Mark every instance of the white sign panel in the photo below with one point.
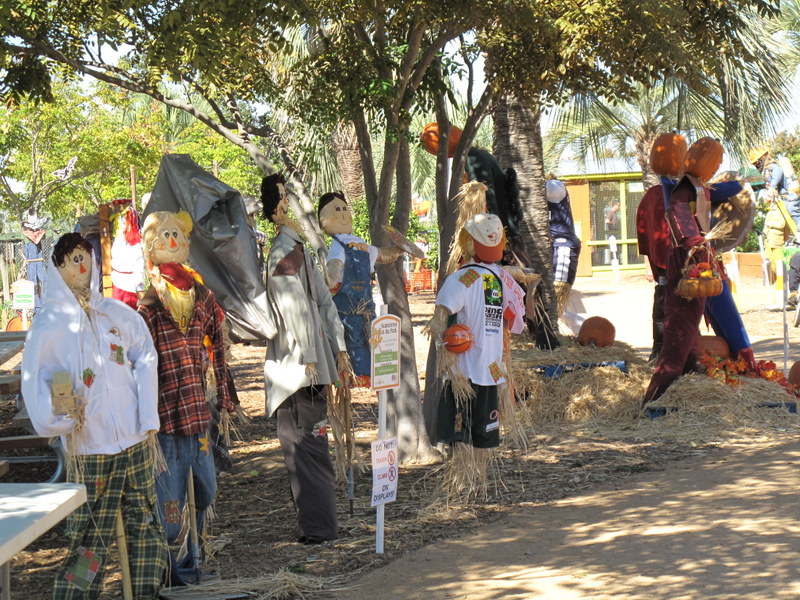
(384, 471)
(22, 290)
(385, 344)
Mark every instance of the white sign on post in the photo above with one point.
(384, 471)
(22, 289)
(385, 344)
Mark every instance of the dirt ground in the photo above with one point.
(253, 534)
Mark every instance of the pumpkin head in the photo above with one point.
(713, 344)
(430, 139)
(596, 331)
(703, 158)
(794, 374)
(457, 338)
(667, 154)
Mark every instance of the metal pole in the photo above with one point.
(379, 516)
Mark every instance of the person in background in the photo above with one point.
(779, 184)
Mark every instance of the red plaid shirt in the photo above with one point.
(182, 405)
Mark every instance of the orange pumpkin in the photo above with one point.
(667, 154)
(794, 374)
(430, 139)
(713, 344)
(596, 331)
(14, 324)
(703, 158)
(699, 288)
(457, 338)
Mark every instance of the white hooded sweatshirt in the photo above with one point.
(111, 360)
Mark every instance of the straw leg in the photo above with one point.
(124, 563)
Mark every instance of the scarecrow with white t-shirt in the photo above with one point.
(350, 264)
(483, 296)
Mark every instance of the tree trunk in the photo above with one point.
(348, 159)
(518, 144)
(404, 417)
(644, 143)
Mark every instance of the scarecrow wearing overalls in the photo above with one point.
(351, 262)
(187, 328)
(89, 375)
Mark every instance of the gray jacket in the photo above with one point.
(309, 329)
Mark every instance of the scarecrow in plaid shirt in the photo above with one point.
(182, 314)
(89, 375)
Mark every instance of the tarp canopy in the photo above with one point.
(223, 247)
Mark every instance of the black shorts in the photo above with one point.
(475, 422)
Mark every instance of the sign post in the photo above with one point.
(385, 345)
(23, 293)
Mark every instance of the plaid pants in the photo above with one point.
(117, 481)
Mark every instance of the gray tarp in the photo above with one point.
(223, 247)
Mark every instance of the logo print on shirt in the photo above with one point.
(493, 304)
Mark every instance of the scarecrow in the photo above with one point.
(351, 262)
(566, 244)
(688, 215)
(127, 259)
(89, 375)
(485, 298)
(187, 327)
(732, 203)
(35, 251)
(303, 359)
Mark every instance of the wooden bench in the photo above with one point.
(10, 383)
(26, 442)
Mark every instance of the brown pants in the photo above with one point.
(302, 420)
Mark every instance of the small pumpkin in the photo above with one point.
(703, 158)
(794, 374)
(667, 154)
(699, 288)
(596, 331)
(457, 338)
(430, 139)
(713, 344)
(14, 324)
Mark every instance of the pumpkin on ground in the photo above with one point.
(713, 344)
(703, 158)
(430, 139)
(596, 331)
(457, 338)
(667, 154)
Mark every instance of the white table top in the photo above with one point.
(27, 510)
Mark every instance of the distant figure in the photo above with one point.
(611, 219)
(779, 180)
(566, 244)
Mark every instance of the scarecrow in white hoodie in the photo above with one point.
(89, 375)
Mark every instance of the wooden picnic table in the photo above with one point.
(11, 343)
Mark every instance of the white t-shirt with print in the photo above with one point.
(474, 294)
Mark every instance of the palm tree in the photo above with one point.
(740, 103)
